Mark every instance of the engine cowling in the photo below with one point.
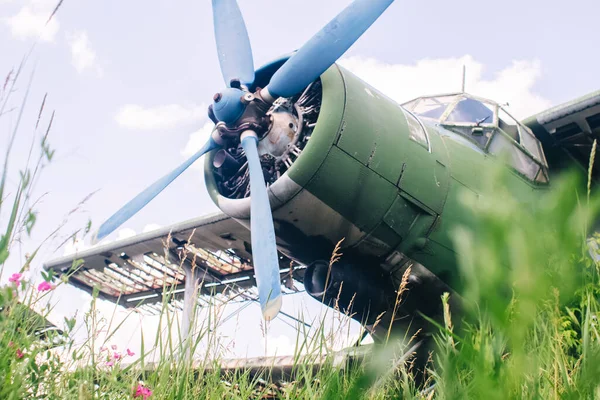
(340, 163)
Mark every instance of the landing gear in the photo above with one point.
(410, 322)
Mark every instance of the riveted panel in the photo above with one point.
(375, 129)
(455, 214)
(469, 165)
(401, 216)
(440, 260)
(353, 190)
(426, 177)
(380, 241)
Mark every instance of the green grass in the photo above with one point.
(529, 328)
(531, 293)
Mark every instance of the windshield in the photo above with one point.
(432, 107)
(485, 124)
(472, 111)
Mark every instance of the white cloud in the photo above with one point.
(125, 233)
(72, 247)
(44, 5)
(134, 116)
(279, 345)
(151, 227)
(198, 139)
(83, 56)
(401, 82)
(32, 21)
(28, 23)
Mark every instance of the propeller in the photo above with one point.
(140, 201)
(264, 251)
(324, 48)
(233, 44)
(240, 116)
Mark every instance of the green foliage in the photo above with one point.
(530, 295)
(27, 367)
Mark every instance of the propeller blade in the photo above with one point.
(264, 250)
(323, 49)
(140, 201)
(233, 44)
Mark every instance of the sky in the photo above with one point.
(130, 82)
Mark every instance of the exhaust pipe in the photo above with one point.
(358, 290)
(226, 162)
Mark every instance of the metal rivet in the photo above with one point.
(247, 98)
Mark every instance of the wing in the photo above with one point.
(568, 131)
(143, 268)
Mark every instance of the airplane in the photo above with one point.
(304, 156)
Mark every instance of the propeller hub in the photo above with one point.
(283, 133)
(228, 106)
(235, 83)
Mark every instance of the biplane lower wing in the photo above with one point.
(145, 268)
(567, 132)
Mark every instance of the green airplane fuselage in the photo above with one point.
(365, 177)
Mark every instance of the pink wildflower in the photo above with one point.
(19, 353)
(116, 356)
(143, 392)
(130, 353)
(110, 363)
(11, 344)
(114, 347)
(44, 286)
(15, 278)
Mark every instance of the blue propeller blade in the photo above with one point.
(323, 49)
(147, 195)
(264, 250)
(233, 44)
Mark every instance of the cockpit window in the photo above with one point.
(488, 126)
(532, 144)
(416, 131)
(503, 146)
(474, 111)
(521, 134)
(432, 107)
(509, 125)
